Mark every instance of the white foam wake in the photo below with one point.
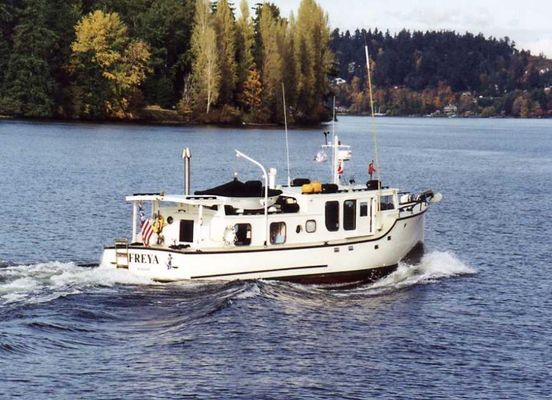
(433, 266)
(46, 281)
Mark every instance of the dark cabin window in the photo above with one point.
(243, 234)
(332, 216)
(386, 203)
(277, 233)
(186, 230)
(363, 209)
(349, 215)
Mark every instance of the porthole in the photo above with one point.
(169, 220)
(310, 226)
(298, 229)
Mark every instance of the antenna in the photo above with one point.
(287, 141)
(334, 149)
(374, 133)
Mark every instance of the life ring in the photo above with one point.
(158, 224)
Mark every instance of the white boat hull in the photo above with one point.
(352, 259)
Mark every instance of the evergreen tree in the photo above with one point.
(270, 33)
(290, 73)
(225, 29)
(6, 29)
(166, 25)
(245, 42)
(313, 58)
(205, 71)
(29, 84)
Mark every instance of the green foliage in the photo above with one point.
(166, 25)
(245, 42)
(107, 67)
(28, 82)
(313, 58)
(225, 30)
(232, 69)
(206, 73)
(271, 30)
(478, 73)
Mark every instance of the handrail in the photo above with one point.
(265, 176)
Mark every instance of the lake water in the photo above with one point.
(472, 320)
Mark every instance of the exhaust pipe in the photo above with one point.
(187, 156)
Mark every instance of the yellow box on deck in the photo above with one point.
(313, 187)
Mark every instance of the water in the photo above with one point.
(472, 320)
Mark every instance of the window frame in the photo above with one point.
(335, 212)
(272, 226)
(248, 240)
(349, 215)
(307, 225)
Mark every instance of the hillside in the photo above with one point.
(433, 72)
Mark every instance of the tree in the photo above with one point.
(166, 25)
(270, 32)
(245, 42)
(225, 29)
(6, 27)
(29, 83)
(107, 66)
(313, 58)
(205, 70)
(251, 97)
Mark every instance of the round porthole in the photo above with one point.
(169, 220)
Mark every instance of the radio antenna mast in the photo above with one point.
(286, 126)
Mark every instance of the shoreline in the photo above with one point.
(177, 123)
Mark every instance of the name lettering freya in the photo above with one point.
(143, 258)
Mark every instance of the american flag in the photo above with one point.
(146, 231)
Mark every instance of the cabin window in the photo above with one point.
(277, 233)
(386, 203)
(243, 234)
(363, 209)
(332, 216)
(310, 226)
(186, 230)
(349, 215)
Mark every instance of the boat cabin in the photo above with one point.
(234, 215)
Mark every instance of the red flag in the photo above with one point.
(340, 168)
(146, 231)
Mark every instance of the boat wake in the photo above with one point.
(43, 282)
(433, 267)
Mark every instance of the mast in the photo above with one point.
(375, 142)
(287, 141)
(373, 120)
(335, 178)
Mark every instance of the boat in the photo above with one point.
(303, 231)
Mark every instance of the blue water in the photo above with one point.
(472, 320)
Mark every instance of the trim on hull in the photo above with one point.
(336, 278)
(257, 272)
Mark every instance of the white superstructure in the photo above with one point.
(307, 232)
